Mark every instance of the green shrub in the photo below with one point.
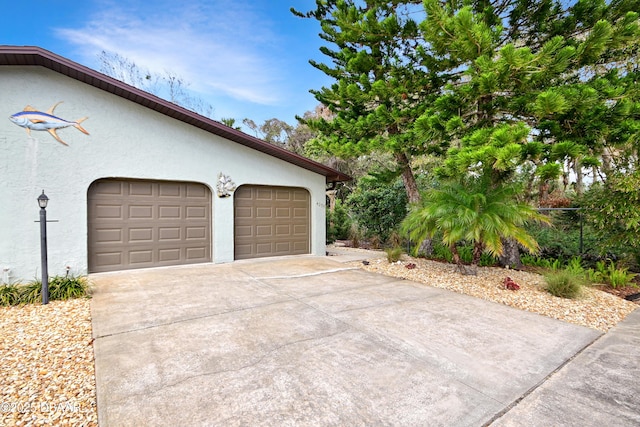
(9, 294)
(378, 206)
(60, 288)
(617, 277)
(575, 266)
(535, 261)
(564, 284)
(442, 252)
(394, 254)
(609, 274)
(31, 292)
(338, 223)
(68, 287)
(486, 260)
(355, 236)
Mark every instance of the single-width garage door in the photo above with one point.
(137, 224)
(271, 221)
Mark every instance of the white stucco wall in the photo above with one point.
(126, 141)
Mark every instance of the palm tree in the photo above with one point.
(474, 213)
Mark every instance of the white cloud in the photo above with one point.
(219, 46)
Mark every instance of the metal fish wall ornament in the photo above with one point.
(32, 119)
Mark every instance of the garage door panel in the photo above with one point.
(283, 230)
(166, 255)
(141, 234)
(136, 224)
(141, 257)
(243, 231)
(169, 190)
(264, 194)
(108, 188)
(141, 212)
(264, 213)
(103, 211)
(283, 195)
(300, 246)
(265, 223)
(108, 258)
(196, 233)
(169, 233)
(169, 212)
(195, 254)
(141, 189)
(300, 230)
(195, 191)
(283, 247)
(283, 213)
(196, 212)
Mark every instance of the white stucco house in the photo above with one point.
(135, 181)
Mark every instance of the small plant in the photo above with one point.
(486, 260)
(575, 266)
(618, 277)
(564, 284)
(466, 253)
(442, 253)
(355, 235)
(9, 294)
(60, 288)
(68, 287)
(31, 292)
(375, 241)
(510, 284)
(534, 261)
(394, 254)
(555, 265)
(394, 239)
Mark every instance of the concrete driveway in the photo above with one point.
(310, 341)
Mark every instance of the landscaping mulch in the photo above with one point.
(595, 309)
(47, 374)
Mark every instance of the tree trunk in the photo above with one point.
(577, 167)
(477, 253)
(456, 256)
(510, 255)
(411, 187)
(408, 179)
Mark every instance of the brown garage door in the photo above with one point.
(271, 221)
(137, 224)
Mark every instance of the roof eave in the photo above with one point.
(32, 55)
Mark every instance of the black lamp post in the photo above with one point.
(43, 200)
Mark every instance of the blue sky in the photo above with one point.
(246, 58)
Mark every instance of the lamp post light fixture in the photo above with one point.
(43, 200)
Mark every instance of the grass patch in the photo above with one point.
(564, 284)
(394, 254)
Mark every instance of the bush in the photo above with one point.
(60, 288)
(68, 287)
(611, 275)
(394, 254)
(338, 223)
(377, 206)
(564, 284)
(9, 295)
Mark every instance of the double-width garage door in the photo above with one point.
(138, 224)
(271, 221)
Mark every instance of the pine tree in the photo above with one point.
(532, 93)
(383, 81)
